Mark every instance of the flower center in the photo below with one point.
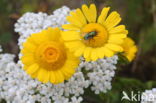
(94, 35)
(51, 55)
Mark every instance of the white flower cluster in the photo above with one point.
(35, 22)
(100, 73)
(149, 96)
(17, 87)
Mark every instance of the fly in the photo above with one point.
(89, 35)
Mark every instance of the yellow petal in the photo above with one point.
(53, 33)
(130, 48)
(94, 55)
(69, 68)
(46, 76)
(107, 52)
(118, 29)
(100, 53)
(114, 47)
(74, 45)
(93, 12)
(70, 35)
(103, 15)
(34, 75)
(66, 74)
(32, 69)
(29, 47)
(59, 78)
(118, 36)
(90, 13)
(43, 75)
(70, 27)
(112, 20)
(77, 15)
(79, 51)
(28, 60)
(134, 48)
(81, 16)
(52, 77)
(115, 40)
(72, 57)
(73, 21)
(27, 51)
(39, 37)
(87, 52)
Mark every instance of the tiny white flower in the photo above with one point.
(149, 96)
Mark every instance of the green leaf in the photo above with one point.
(122, 59)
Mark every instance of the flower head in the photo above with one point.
(130, 48)
(46, 58)
(94, 37)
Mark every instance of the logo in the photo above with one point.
(138, 96)
(125, 96)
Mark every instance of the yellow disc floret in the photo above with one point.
(94, 37)
(94, 40)
(51, 55)
(46, 58)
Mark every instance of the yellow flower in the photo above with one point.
(130, 48)
(46, 58)
(94, 37)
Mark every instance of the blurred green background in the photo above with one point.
(139, 16)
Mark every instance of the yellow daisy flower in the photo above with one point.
(46, 58)
(130, 48)
(94, 37)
